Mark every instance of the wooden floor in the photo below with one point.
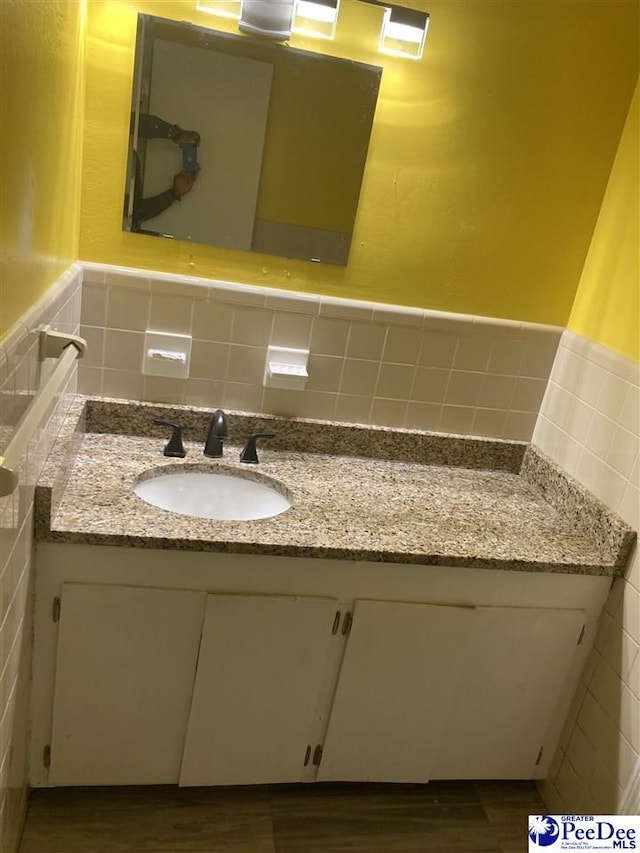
(442, 817)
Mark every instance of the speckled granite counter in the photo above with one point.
(486, 504)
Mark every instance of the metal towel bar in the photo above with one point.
(66, 348)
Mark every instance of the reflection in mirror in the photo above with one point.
(245, 144)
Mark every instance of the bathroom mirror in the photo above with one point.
(284, 135)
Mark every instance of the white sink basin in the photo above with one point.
(208, 494)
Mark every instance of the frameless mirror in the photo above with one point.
(245, 144)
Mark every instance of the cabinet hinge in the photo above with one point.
(336, 622)
(317, 755)
(581, 637)
(307, 755)
(46, 756)
(55, 612)
(539, 756)
(347, 622)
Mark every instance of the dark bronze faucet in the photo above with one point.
(216, 435)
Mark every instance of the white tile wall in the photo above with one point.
(20, 376)
(590, 425)
(383, 364)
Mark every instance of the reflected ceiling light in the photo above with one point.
(222, 8)
(404, 32)
(267, 18)
(316, 18)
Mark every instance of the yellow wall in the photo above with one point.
(485, 175)
(42, 121)
(607, 308)
(487, 166)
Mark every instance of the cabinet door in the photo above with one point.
(124, 677)
(517, 663)
(260, 670)
(399, 675)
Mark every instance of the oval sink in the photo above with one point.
(209, 494)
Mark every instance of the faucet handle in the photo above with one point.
(249, 454)
(174, 446)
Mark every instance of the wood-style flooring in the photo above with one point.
(441, 817)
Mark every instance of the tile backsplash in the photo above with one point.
(369, 363)
(21, 375)
(590, 425)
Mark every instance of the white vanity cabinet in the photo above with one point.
(518, 660)
(435, 692)
(166, 686)
(213, 669)
(400, 672)
(260, 672)
(125, 663)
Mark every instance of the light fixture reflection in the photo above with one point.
(316, 18)
(270, 19)
(404, 32)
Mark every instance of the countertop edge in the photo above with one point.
(350, 555)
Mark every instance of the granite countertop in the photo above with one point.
(524, 516)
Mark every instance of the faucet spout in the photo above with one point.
(216, 435)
